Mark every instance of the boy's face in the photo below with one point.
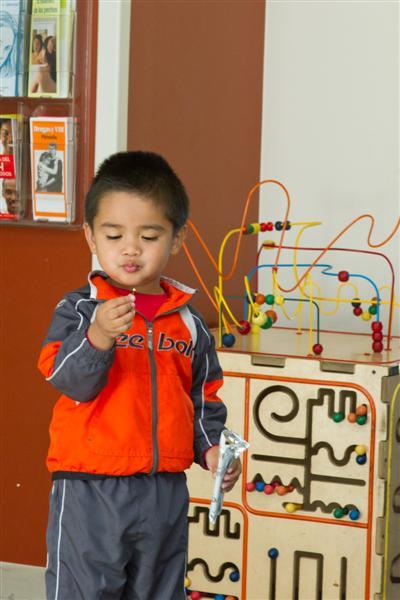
(133, 241)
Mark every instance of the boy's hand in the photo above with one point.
(113, 317)
(232, 474)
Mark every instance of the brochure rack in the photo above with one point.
(77, 109)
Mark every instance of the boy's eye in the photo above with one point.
(113, 237)
(149, 238)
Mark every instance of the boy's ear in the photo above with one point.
(178, 240)
(89, 238)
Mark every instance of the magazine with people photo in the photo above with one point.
(52, 167)
(13, 26)
(10, 167)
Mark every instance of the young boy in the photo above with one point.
(139, 375)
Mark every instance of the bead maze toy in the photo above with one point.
(317, 511)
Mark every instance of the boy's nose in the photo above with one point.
(132, 250)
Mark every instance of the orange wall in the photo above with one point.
(196, 97)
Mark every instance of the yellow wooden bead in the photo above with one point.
(366, 315)
(259, 319)
(279, 300)
(360, 449)
(291, 507)
(256, 227)
(187, 582)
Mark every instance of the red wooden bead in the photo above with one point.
(351, 417)
(361, 410)
(343, 275)
(244, 327)
(250, 486)
(376, 326)
(260, 298)
(269, 226)
(263, 227)
(377, 336)
(357, 311)
(377, 346)
(317, 348)
(268, 489)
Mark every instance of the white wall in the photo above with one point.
(331, 127)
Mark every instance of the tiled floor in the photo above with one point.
(21, 582)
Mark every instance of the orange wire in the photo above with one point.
(334, 240)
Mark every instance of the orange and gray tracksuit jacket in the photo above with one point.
(148, 404)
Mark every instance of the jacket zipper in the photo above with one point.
(153, 371)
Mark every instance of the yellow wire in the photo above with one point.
(221, 300)
(388, 499)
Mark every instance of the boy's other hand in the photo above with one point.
(113, 317)
(232, 474)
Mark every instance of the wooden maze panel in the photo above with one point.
(312, 460)
(291, 561)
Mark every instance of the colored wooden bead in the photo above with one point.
(361, 419)
(357, 311)
(291, 507)
(288, 226)
(354, 514)
(373, 309)
(273, 553)
(269, 489)
(187, 582)
(281, 490)
(249, 229)
(260, 298)
(272, 315)
(360, 449)
(244, 327)
(279, 300)
(278, 225)
(263, 227)
(318, 349)
(374, 300)
(259, 318)
(361, 460)
(343, 276)
(270, 299)
(234, 576)
(269, 244)
(338, 417)
(195, 596)
(356, 303)
(351, 417)
(250, 486)
(256, 227)
(270, 226)
(338, 513)
(366, 315)
(377, 326)
(361, 410)
(377, 347)
(229, 598)
(260, 485)
(267, 324)
(228, 339)
(377, 336)
(220, 597)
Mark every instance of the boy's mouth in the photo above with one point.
(130, 267)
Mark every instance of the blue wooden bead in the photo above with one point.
(234, 576)
(228, 339)
(362, 459)
(354, 514)
(219, 597)
(260, 485)
(273, 553)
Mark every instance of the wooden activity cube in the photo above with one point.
(325, 523)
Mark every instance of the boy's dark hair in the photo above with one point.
(146, 174)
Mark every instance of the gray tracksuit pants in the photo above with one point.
(119, 538)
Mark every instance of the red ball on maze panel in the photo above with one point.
(269, 489)
(317, 349)
(250, 486)
(195, 596)
(377, 326)
(343, 276)
(351, 417)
